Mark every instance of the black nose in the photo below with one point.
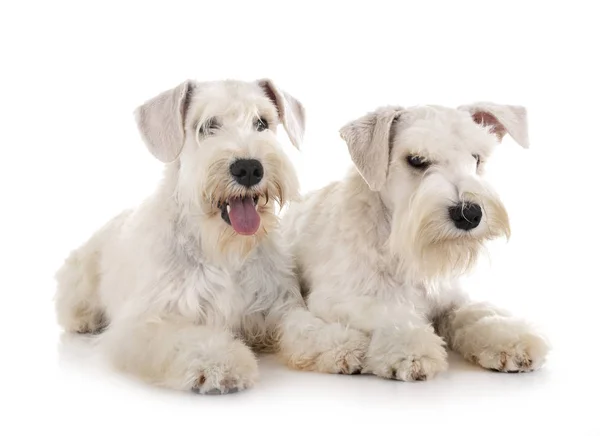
(466, 216)
(247, 172)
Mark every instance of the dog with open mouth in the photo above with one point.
(187, 287)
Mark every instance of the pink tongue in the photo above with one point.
(243, 216)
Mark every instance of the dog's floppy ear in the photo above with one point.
(369, 142)
(161, 122)
(290, 111)
(502, 119)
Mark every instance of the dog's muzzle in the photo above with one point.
(240, 210)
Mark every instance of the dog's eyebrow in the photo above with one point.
(208, 123)
(212, 120)
(265, 117)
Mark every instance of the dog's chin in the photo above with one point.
(437, 250)
(234, 226)
(447, 258)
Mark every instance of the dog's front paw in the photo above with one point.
(503, 344)
(407, 355)
(346, 357)
(343, 353)
(234, 373)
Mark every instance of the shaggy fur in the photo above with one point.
(184, 299)
(379, 252)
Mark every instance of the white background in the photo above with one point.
(71, 75)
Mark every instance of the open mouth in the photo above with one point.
(241, 214)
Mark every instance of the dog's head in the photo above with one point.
(427, 164)
(221, 137)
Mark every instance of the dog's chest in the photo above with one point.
(380, 277)
(427, 299)
(217, 296)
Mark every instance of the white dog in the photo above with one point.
(194, 279)
(382, 250)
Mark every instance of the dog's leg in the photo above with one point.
(403, 346)
(180, 355)
(308, 343)
(492, 338)
(78, 305)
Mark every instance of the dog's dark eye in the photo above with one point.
(209, 127)
(418, 162)
(261, 124)
(477, 158)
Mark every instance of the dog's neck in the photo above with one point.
(374, 206)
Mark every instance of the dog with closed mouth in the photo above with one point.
(185, 289)
(397, 233)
